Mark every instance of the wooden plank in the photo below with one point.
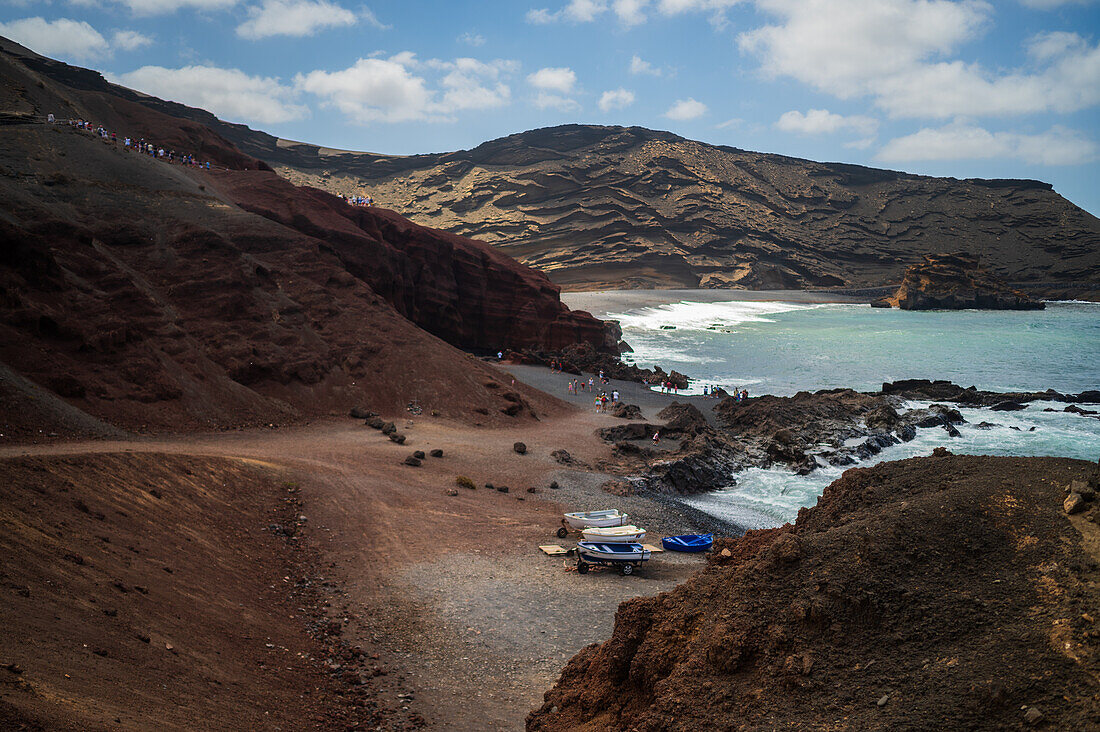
(653, 547)
(552, 550)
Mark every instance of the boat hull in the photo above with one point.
(607, 535)
(606, 552)
(596, 519)
(689, 543)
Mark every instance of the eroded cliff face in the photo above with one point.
(140, 293)
(957, 281)
(630, 207)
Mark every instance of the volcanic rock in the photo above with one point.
(627, 207)
(897, 563)
(955, 282)
(520, 448)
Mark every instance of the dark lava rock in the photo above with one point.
(376, 422)
(950, 429)
(361, 413)
(985, 426)
(1088, 397)
(436, 453)
(682, 417)
(389, 428)
(397, 437)
(500, 488)
(625, 432)
(906, 432)
(418, 454)
(881, 302)
(1007, 406)
(520, 448)
(413, 461)
(626, 411)
(955, 282)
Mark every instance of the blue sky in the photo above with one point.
(965, 88)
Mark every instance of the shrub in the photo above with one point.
(463, 482)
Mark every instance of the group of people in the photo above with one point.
(601, 401)
(740, 396)
(710, 391)
(576, 386)
(357, 200)
(139, 145)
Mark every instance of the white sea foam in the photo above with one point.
(686, 315)
(765, 498)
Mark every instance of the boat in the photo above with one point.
(624, 556)
(614, 534)
(588, 519)
(688, 542)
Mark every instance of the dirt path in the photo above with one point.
(451, 591)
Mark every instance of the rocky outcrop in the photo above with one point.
(957, 282)
(904, 598)
(946, 391)
(624, 207)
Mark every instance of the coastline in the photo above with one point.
(601, 302)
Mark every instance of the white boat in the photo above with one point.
(587, 519)
(614, 534)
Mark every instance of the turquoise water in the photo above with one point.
(780, 348)
(784, 347)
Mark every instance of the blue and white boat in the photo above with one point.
(624, 556)
(688, 542)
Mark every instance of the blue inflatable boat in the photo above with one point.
(688, 542)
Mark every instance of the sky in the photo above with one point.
(962, 88)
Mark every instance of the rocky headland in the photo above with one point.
(957, 281)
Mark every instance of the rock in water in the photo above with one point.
(956, 282)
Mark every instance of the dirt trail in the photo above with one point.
(450, 591)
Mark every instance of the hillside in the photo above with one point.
(150, 294)
(949, 592)
(630, 207)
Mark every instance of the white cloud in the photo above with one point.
(560, 79)
(397, 90)
(685, 109)
(157, 7)
(473, 84)
(576, 11)
(472, 39)
(964, 141)
(229, 93)
(541, 16)
(892, 51)
(640, 66)
(716, 8)
(845, 47)
(293, 18)
(61, 38)
(616, 99)
(824, 122)
(128, 40)
(630, 12)
(548, 100)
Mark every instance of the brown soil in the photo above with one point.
(933, 593)
(142, 592)
(448, 596)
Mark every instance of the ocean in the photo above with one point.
(742, 341)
